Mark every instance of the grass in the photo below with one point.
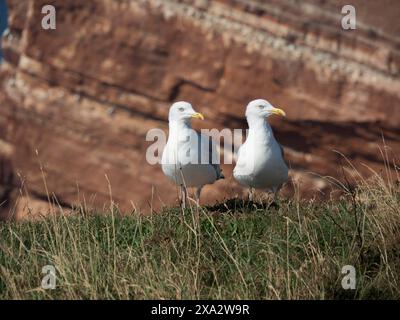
(235, 250)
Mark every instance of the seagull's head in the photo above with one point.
(261, 108)
(183, 111)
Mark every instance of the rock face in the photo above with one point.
(77, 102)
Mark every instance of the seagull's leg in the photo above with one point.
(198, 192)
(185, 192)
(275, 200)
(180, 196)
(183, 197)
(276, 193)
(251, 194)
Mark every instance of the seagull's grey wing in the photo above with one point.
(283, 154)
(212, 153)
(207, 148)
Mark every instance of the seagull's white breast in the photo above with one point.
(260, 164)
(182, 163)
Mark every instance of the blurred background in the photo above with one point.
(76, 102)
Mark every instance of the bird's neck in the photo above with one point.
(259, 129)
(176, 127)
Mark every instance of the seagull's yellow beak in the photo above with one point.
(278, 112)
(198, 115)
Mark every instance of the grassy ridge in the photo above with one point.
(235, 250)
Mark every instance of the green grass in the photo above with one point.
(231, 251)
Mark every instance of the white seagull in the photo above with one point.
(189, 159)
(260, 161)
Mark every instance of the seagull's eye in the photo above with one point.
(181, 109)
(261, 106)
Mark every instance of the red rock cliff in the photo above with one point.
(77, 102)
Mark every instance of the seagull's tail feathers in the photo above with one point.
(218, 171)
(220, 175)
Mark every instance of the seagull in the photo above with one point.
(260, 161)
(189, 159)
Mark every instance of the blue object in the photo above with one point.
(3, 21)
